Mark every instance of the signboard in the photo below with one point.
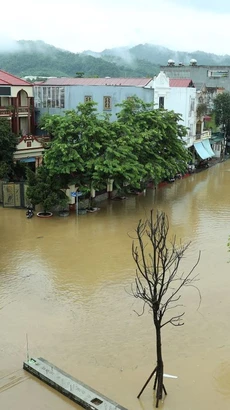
(76, 194)
(218, 73)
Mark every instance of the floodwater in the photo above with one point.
(65, 282)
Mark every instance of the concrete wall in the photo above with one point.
(28, 89)
(200, 75)
(183, 101)
(75, 95)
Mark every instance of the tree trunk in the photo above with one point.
(158, 383)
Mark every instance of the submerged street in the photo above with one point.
(65, 282)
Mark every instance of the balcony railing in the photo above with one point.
(22, 110)
(203, 135)
(5, 111)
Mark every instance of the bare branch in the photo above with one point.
(158, 282)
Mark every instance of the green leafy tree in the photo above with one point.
(44, 189)
(222, 111)
(79, 140)
(143, 143)
(222, 116)
(8, 143)
(158, 138)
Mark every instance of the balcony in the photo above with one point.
(204, 135)
(22, 111)
(5, 111)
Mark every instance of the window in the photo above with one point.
(192, 105)
(87, 98)
(28, 144)
(107, 103)
(5, 91)
(49, 97)
(161, 102)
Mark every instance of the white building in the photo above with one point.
(182, 100)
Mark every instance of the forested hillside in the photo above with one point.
(36, 58)
(40, 59)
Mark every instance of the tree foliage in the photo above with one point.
(222, 111)
(44, 189)
(143, 143)
(40, 59)
(158, 281)
(8, 142)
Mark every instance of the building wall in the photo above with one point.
(76, 94)
(15, 89)
(211, 76)
(183, 101)
(161, 89)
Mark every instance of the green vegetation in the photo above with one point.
(40, 59)
(8, 142)
(44, 189)
(142, 144)
(222, 111)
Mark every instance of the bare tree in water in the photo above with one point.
(158, 282)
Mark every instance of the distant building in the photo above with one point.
(212, 77)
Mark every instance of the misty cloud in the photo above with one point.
(8, 44)
(220, 6)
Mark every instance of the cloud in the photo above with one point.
(7, 44)
(96, 25)
(220, 6)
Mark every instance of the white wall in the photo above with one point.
(182, 100)
(161, 89)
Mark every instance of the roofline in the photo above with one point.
(12, 75)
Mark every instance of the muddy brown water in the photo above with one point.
(65, 282)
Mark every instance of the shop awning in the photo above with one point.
(30, 159)
(207, 146)
(201, 151)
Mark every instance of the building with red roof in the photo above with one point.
(17, 103)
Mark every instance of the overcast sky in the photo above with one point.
(78, 25)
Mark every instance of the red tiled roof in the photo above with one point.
(127, 82)
(181, 82)
(9, 79)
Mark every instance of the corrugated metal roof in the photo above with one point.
(127, 82)
(181, 82)
(9, 79)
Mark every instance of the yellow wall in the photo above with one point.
(16, 89)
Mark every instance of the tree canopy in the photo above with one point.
(44, 189)
(142, 143)
(222, 111)
(8, 142)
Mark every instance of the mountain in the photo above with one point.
(160, 55)
(36, 58)
(28, 58)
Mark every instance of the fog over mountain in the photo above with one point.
(25, 58)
